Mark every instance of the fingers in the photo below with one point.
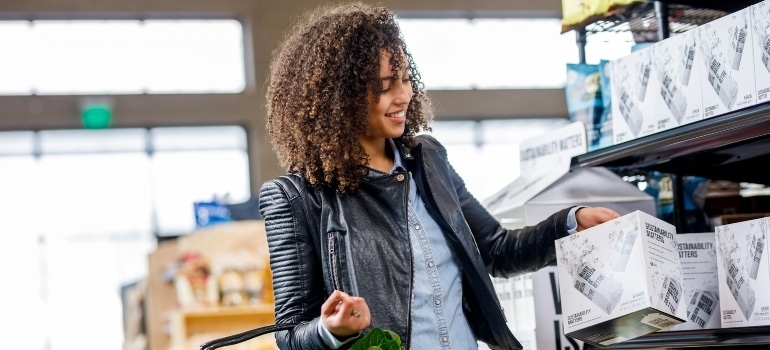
(344, 315)
(329, 306)
(607, 214)
(592, 216)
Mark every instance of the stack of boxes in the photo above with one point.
(635, 275)
(716, 68)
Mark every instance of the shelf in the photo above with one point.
(229, 311)
(641, 20)
(719, 5)
(219, 321)
(728, 147)
(728, 337)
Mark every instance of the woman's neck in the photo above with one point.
(380, 155)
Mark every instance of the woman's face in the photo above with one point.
(387, 117)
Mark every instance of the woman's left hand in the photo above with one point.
(344, 315)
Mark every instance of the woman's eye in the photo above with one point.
(388, 83)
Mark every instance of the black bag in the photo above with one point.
(244, 336)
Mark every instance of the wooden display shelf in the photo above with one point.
(173, 328)
(219, 321)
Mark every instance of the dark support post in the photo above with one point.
(581, 43)
(680, 217)
(661, 13)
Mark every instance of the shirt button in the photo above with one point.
(400, 177)
(416, 227)
(431, 264)
(444, 339)
(438, 301)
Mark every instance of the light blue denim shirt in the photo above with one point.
(438, 321)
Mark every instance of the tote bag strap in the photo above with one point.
(244, 336)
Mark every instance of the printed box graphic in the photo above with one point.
(678, 97)
(620, 280)
(632, 116)
(698, 257)
(760, 48)
(728, 63)
(743, 271)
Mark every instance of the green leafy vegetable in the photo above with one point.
(379, 339)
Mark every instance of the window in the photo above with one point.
(501, 53)
(601, 46)
(80, 210)
(64, 57)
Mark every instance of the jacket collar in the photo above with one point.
(406, 152)
(409, 155)
(401, 154)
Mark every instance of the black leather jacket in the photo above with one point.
(321, 240)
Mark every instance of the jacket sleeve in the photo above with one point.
(297, 275)
(508, 252)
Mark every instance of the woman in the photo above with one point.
(372, 227)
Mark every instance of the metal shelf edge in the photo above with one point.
(709, 134)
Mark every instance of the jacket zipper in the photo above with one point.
(408, 339)
(434, 208)
(333, 260)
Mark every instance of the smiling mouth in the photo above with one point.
(401, 114)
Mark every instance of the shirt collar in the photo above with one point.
(398, 163)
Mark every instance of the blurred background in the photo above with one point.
(125, 124)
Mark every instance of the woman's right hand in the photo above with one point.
(588, 217)
(344, 315)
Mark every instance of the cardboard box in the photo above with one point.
(698, 257)
(620, 280)
(744, 278)
(728, 63)
(760, 23)
(632, 115)
(677, 94)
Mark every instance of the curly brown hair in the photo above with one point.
(317, 94)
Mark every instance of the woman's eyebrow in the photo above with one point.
(391, 77)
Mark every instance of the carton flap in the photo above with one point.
(589, 185)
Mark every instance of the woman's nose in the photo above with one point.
(403, 91)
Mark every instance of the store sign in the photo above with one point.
(543, 160)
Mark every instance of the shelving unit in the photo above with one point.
(732, 147)
(724, 148)
(641, 19)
